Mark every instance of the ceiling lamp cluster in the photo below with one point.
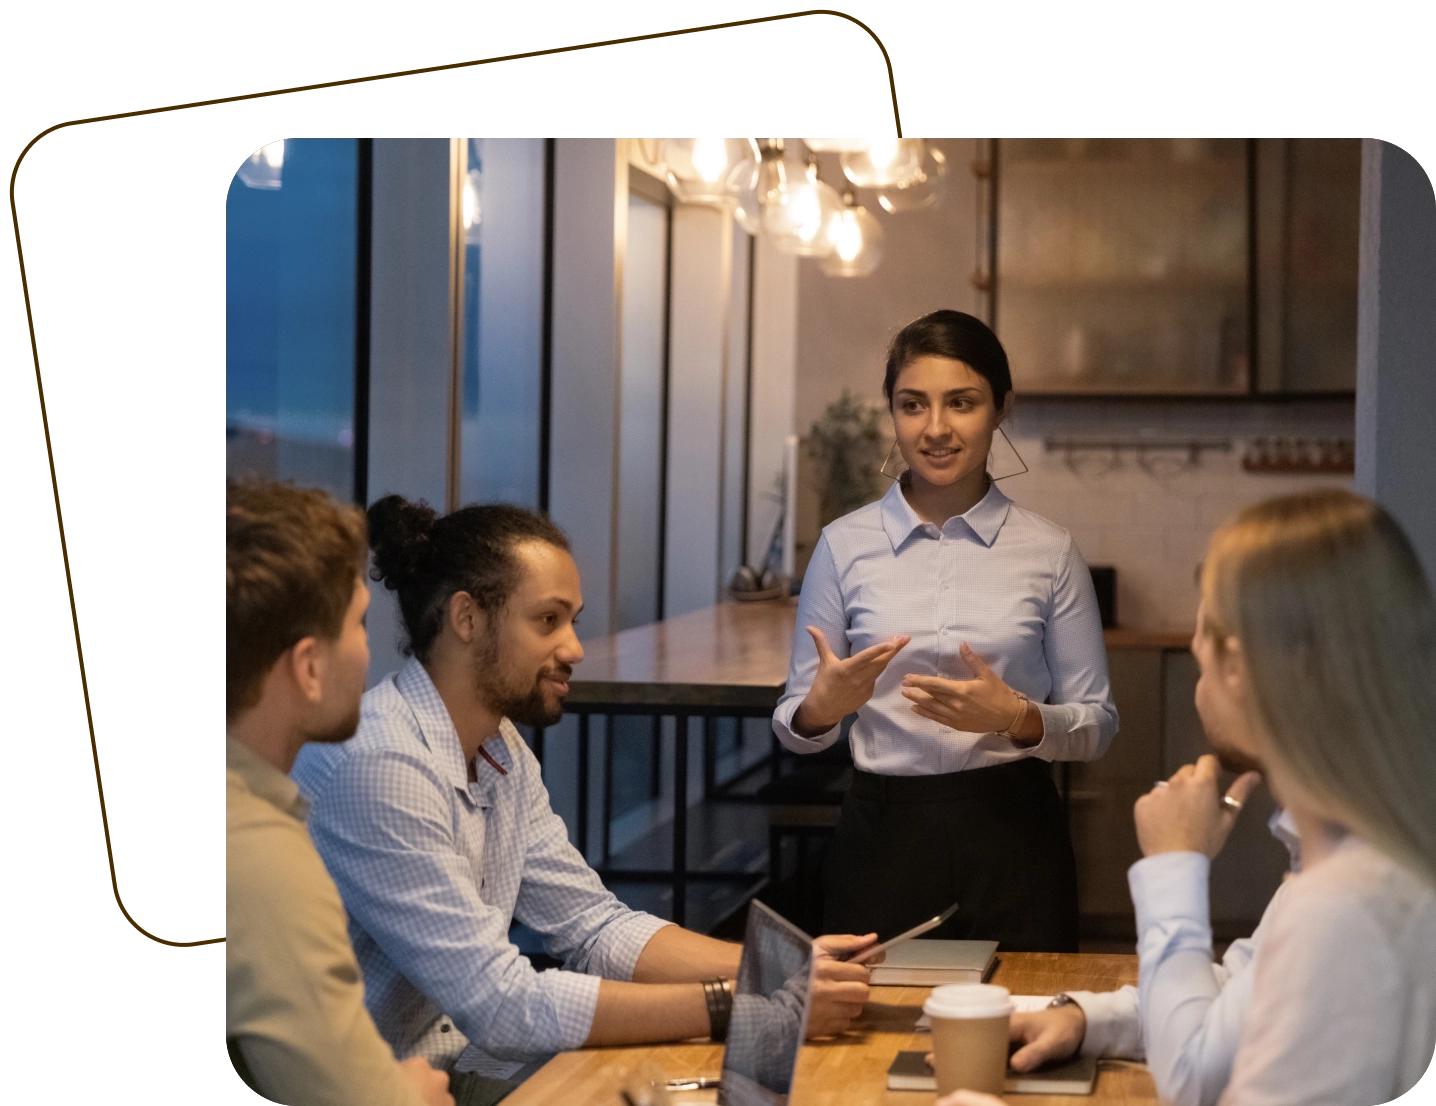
(799, 213)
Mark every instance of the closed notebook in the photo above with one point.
(921, 963)
(909, 1072)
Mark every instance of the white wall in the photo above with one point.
(410, 358)
(697, 412)
(775, 388)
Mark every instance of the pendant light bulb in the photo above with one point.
(264, 169)
(837, 145)
(927, 189)
(802, 216)
(857, 241)
(709, 170)
(886, 162)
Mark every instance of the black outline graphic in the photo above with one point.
(39, 388)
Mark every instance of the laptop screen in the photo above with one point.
(770, 1011)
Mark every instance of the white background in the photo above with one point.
(123, 229)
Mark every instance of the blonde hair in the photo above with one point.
(1338, 628)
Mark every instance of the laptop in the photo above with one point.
(771, 999)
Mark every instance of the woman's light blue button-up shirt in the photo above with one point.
(1005, 581)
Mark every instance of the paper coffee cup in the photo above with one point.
(969, 1036)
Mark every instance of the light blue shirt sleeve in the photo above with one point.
(820, 605)
(560, 896)
(1190, 1007)
(387, 837)
(1081, 720)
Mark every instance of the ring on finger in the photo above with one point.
(1231, 804)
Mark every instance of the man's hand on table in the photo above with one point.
(840, 987)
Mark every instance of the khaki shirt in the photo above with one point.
(295, 999)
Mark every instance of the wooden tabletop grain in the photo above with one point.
(733, 654)
(851, 1069)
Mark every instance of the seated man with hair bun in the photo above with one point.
(435, 823)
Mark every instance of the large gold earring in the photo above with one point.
(889, 469)
(1011, 464)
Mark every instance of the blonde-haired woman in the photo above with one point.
(1317, 646)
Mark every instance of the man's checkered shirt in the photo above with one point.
(432, 868)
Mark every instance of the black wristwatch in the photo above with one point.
(718, 993)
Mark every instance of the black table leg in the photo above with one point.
(607, 785)
(655, 767)
(680, 818)
(583, 785)
(710, 756)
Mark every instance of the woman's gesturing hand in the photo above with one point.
(981, 705)
(841, 686)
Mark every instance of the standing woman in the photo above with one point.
(964, 632)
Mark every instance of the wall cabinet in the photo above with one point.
(1153, 690)
(1218, 267)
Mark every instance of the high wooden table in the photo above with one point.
(852, 1069)
(727, 661)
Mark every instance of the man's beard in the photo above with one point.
(524, 707)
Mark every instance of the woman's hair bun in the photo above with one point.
(399, 535)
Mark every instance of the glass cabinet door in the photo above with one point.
(1122, 265)
(1308, 217)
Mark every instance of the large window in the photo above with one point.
(290, 329)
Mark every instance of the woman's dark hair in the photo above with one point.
(958, 337)
(425, 558)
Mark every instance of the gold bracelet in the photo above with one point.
(1011, 730)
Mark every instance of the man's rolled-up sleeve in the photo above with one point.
(388, 839)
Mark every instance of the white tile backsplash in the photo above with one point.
(1151, 518)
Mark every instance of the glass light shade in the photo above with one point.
(885, 163)
(800, 216)
(472, 213)
(709, 170)
(770, 176)
(265, 167)
(926, 190)
(857, 243)
(837, 145)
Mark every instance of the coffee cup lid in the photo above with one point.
(968, 1000)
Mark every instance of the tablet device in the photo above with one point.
(916, 931)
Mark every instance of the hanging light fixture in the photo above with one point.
(748, 209)
(709, 170)
(857, 241)
(264, 168)
(472, 212)
(926, 190)
(801, 216)
(837, 145)
(886, 162)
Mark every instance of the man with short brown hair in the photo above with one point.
(296, 659)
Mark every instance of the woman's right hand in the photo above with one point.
(841, 686)
(1053, 1033)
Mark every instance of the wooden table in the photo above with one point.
(852, 1069)
(727, 661)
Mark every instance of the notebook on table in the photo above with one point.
(925, 963)
(1077, 1076)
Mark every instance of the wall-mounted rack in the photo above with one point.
(1300, 456)
(1192, 447)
